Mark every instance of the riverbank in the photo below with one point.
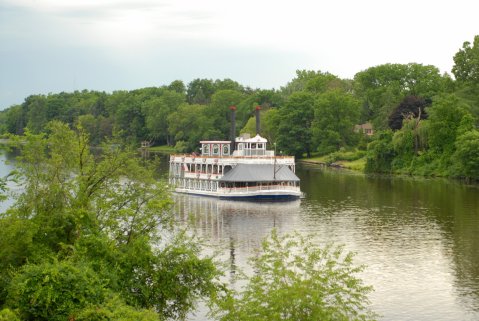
(353, 160)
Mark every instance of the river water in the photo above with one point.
(419, 238)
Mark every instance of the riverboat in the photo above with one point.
(240, 168)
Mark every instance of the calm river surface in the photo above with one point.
(418, 237)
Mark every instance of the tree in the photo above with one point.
(297, 280)
(54, 291)
(410, 106)
(445, 116)
(114, 308)
(466, 156)
(219, 110)
(36, 113)
(335, 114)
(294, 127)
(157, 111)
(268, 125)
(107, 213)
(380, 154)
(315, 82)
(15, 120)
(383, 87)
(199, 91)
(466, 71)
(466, 62)
(190, 124)
(177, 86)
(228, 84)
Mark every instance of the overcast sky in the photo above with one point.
(65, 45)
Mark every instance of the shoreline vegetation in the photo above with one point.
(406, 119)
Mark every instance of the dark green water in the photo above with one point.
(418, 237)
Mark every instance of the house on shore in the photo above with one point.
(366, 129)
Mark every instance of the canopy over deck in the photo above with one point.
(259, 173)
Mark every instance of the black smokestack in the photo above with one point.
(233, 129)
(258, 127)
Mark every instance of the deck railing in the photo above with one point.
(247, 189)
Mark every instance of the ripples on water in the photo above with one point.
(418, 238)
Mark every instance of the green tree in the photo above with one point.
(115, 309)
(294, 127)
(295, 279)
(466, 156)
(9, 315)
(335, 114)
(227, 84)
(157, 111)
(190, 124)
(405, 144)
(383, 87)
(268, 125)
(315, 82)
(465, 69)
(36, 113)
(107, 213)
(380, 153)
(54, 291)
(219, 110)
(445, 116)
(466, 62)
(15, 120)
(199, 91)
(177, 86)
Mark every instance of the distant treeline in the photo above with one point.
(425, 123)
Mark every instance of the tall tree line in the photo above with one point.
(315, 112)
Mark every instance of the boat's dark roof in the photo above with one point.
(259, 173)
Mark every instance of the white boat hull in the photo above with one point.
(275, 194)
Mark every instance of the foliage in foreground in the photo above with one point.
(91, 238)
(294, 279)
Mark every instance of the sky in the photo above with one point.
(50, 46)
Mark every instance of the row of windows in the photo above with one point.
(215, 149)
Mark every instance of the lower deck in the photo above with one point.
(258, 190)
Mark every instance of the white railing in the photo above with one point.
(248, 189)
(253, 152)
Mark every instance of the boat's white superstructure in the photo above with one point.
(242, 168)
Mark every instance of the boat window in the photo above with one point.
(216, 149)
(253, 146)
(206, 149)
(240, 146)
(260, 146)
(226, 149)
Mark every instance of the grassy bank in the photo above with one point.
(353, 160)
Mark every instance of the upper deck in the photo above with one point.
(231, 160)
(246, 150)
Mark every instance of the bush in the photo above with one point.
(8, 315)
(115, 309)
(297, 280)
(54, 291)
(380, 153)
